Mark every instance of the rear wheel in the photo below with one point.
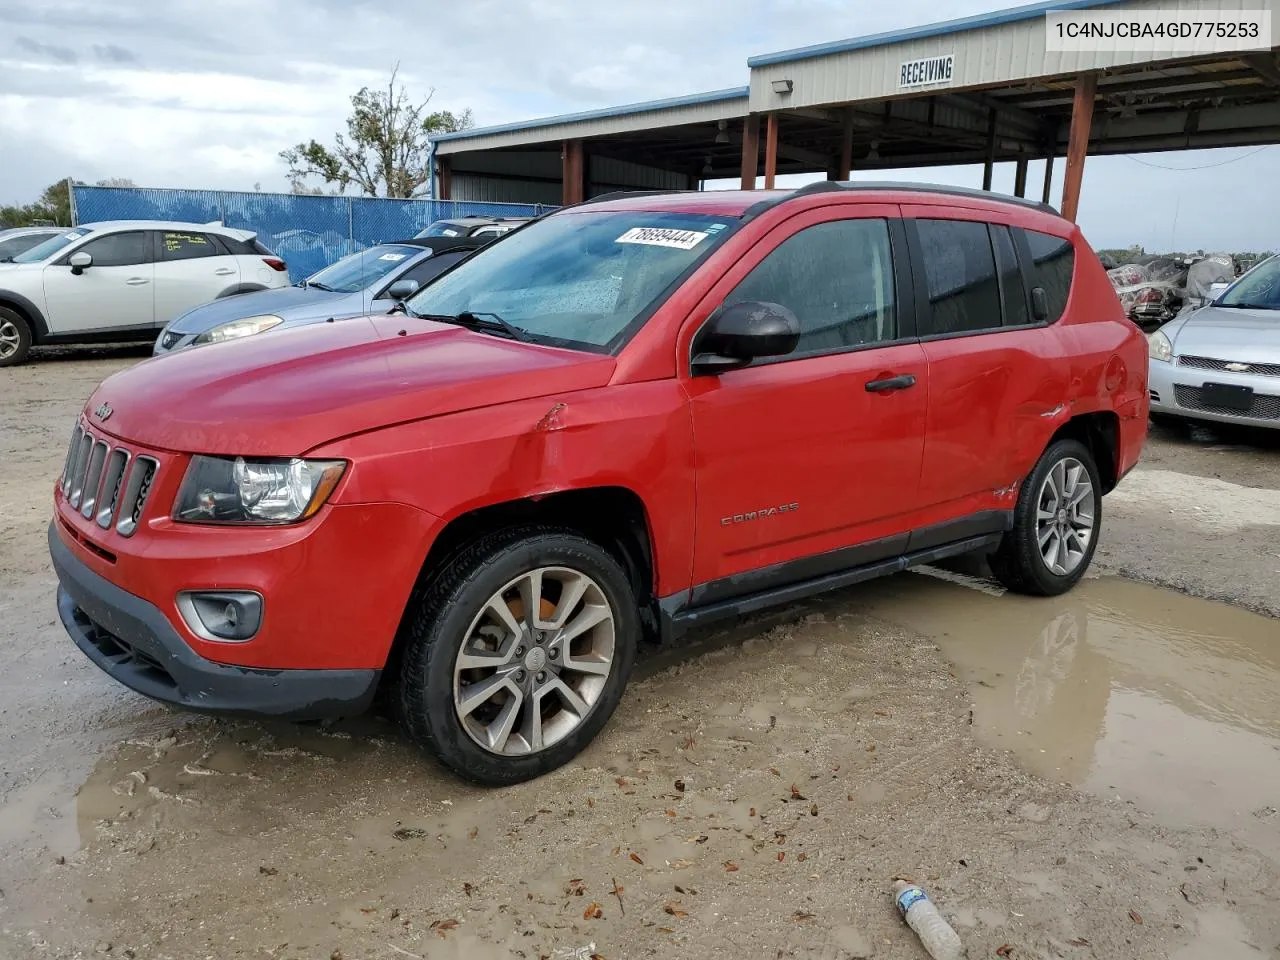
(1055, 526)
(15, 338)
(517, 654)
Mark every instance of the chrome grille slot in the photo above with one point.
(93, 477)
(112, 481)
(80, 467)
(72, 450)
(136, 490)
(1212, 363)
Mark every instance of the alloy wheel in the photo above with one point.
(1065, 516)
(10, 340)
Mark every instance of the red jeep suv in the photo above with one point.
(632, 417)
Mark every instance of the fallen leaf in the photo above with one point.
(689, 890)
(802, 856)
(468, 889)
(774, 771)
(730, 867)
(1004, 950)
(595, 956)
(665, 930)
(473, 833)
(368, 910)
(850, 798)
(395, 913)
(616, 851)
(802, 915)
(702, 838)
(871, 748)
(1135, 916)
(813, 809)
(617, 892)
(591, 803)
(680, 786)
(782, 855)
(779, 837)
(593, 912)
(409, 833)
(751, 812)
(636, 858)
(1079, 942)
(681, 864)
(690, 743)
(621, 781)
(530, 818)
(441, 927)
(796, 794)
(882, 713)
(1182, 889)
(335, 955)
(672, 907)
(669, 812)
(268, 871)
(836, 768)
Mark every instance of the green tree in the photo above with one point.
(385, 151)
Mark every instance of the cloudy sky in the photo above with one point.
(206, 94)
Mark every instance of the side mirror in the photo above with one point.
(737, 334)
(1039, 305)
(402, 290)
(79, 262)
(1216, 288)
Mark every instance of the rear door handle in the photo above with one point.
(901, 382)
(223, 272)
(137, 281)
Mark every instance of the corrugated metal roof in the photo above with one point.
(629, 113)
(976, 22)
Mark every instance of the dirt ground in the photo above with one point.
(1092, 776)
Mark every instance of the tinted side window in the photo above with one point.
(186, 246)
(1052, 263)
(119, 249)
(12, 246)
(1013, 295)
(432, 267)
(837, 278)
(960, 272)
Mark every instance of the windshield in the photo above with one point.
(584, 279)
(42, 251)
(363, 269)
(444, 228)
(1259, 288)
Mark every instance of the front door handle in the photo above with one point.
(137, 281)
(901, 382)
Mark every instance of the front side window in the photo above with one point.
(175, 245)
(43, 251)
(444, 228)
(1258, 289)
(960, 273)
(837, 278)
(432, 267)
(119, 249)
(584, 279)
(10, 247)
(1053, 262)
(362, 269)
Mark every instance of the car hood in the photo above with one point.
(288, 303)
(1223, 333)
(285, 393)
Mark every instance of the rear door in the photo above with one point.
(115, 292)
(996, 377)
(191, 268)
(798, 458)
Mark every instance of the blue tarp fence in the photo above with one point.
(308, 232)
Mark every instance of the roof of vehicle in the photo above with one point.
(20, 231)
(163, 225)
(749, 203)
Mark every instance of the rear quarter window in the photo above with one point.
(1053, 261)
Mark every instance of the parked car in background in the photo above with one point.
(122, 280)
(1222, 362)
(18, 240)
(370, 281)
(473, 227)
(629, 419)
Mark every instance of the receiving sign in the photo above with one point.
(922, 73)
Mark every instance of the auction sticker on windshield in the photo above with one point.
(663, 237)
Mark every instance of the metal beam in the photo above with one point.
(845, 167)
(1265, 66)
(750, 150)
(1048, 179)
(444, 168)
(770, 150)
(988, 168)
(1151, 84)
(1078, 142)
(1020, 177)
(573, 187)
(980, 103)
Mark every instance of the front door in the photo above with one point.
(114, 293)
(804, 464)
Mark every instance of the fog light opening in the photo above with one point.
(223, 616)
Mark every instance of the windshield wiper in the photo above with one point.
(1249, 306)
(488, 322)
(320, 286)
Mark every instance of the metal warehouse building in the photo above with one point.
(983, 89)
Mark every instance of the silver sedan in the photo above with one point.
(1222, 362)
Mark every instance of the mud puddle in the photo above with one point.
(1124, 690)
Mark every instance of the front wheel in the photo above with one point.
(517, 654)
(1056, 523)
(15, 338)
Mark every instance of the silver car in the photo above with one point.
(1222, 362)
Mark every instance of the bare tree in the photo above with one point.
(385, 151)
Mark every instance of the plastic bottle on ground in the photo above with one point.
(936, 935)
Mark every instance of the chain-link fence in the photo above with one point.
(308, 232)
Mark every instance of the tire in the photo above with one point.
(1020, 561)
(1170, 422)
(477, 599)
(15, 338)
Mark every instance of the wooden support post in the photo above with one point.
(444, 181)
(846, 145)
(750, 151)
(988, 168)
(771, 150)
(1048, 178)
(1078, 142)
(572, 172)
(1020, 177)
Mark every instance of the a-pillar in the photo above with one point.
(444, 179)
(573, 171)
(1078, 142)
(771, 150)
(750, 151)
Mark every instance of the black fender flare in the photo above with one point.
(240, 288)
(39, 326)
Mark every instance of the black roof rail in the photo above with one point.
(828, 186)
(622, 194)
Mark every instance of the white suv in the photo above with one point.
(123, 280)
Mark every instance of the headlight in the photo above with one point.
(225, 490)
(1159, 347)
(236, 329)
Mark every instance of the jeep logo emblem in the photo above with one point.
(103, 411)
